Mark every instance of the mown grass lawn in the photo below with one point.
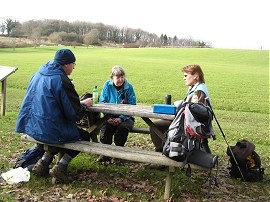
(238, 81)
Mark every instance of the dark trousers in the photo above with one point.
(84, 136)
(120, 132)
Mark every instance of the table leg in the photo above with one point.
(154, 128)
(3, 97)
(97, 125)
(168, 185)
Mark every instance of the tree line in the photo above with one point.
(87, 33)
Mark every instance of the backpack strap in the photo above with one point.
(190, 147)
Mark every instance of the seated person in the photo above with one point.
(117, 90)
(197, 92)
(50, 110)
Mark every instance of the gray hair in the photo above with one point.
(117, 71)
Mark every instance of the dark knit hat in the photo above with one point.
(64, 56)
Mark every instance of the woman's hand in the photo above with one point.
(114, 121)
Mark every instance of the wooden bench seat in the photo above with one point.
(140, 130)
(126, 153)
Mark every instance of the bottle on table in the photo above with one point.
(95, 95)
(168, 99)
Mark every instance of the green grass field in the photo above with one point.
(238, 82)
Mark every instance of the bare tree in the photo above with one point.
(35, 36)
(56, 37)
(92, 38)
(31, 25)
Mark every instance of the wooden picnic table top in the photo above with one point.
(129, 110)
(6, 71)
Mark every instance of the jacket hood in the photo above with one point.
(50, 68)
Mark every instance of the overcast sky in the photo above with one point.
(240, 24)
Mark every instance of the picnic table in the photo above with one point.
(126, 153)
(4, 73)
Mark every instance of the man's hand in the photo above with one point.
(87, 102)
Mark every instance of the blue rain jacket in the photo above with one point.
(50, 107)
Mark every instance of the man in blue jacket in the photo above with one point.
(50, 110)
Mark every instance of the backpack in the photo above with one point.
(85, 119)
(30, 157)
(89, 118)
(186, 138)
(249, 162)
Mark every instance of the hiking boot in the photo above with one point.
(59, 172)
(41, 168)
(102, 158)
(118, 162)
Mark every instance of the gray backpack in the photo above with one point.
(187, 136)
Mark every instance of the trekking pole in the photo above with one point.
(208, 102)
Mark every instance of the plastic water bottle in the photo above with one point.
(95, 95)
(195, 98)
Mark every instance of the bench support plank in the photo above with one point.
(154, 128)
